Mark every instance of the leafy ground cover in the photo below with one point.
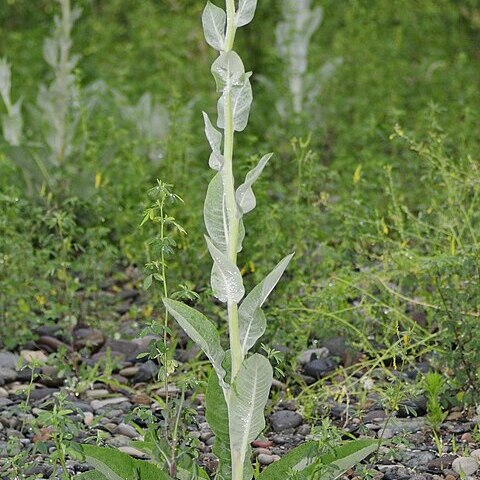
(374, 185)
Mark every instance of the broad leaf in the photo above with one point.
(245, 12)
(214, 138)
(244, 195)
(201, 330)
(248, 398)
(91, 475)
(214, 21)
(252, 322)
(234, 83)
(216, 218)
(217, 410)
(116, 465)
(5, 80)
(12, 125)
(241, 98)
(227, 70)
(227, 282)
(305, 459)
(221, 450)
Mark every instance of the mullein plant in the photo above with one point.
(58, 102)
(12, 122)
(57, 111)
(293, 36)
(240, 382)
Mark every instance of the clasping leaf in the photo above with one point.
(201, 330)
(216, 218)
(214, 21)
(252, 322)
(249, 396)
(227, 282)
(245, 196)
(234, 83)
(214, 138)
(245, 12)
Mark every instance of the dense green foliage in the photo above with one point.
(384, 219)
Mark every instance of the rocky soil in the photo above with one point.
(100, 405)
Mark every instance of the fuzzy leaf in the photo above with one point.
(305, 459)
(227, 282)
(241, 98)
(91, 475)
(245, 12)
(12, 125)
(215, 216)
(50, 52)
(217, 410)
(227, 70)
(214, 21)
(252, 322)
(234, 83)
(248, 398)
(214, 138)
(116, 465)
(245, 196)
(217, 417)
(201, 330)
(5, 80)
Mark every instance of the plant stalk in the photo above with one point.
(233, 227)
(229, 188)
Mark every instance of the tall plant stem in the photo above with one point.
(165, 294)
(65, 43)
(233, 225)
(229, 188)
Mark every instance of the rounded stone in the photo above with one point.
(465, 465)
(285, 419)
(476, 454)
(265, 459)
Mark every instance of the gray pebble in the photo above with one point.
(311, 354)
(265, 459)
(119, 441)
(127, 430)
(9, 360)
(465, 465)
(7, 375)
(285, 419)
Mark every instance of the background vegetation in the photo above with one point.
(378, 192)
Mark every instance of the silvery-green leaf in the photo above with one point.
(217, 410)
(227, 70)
(116, 465)
(50, 52)
(201, 330)
(214, 21)
(244, 195)
(214, 138)
(245, 12)
(227, 282)
(12, 125)
(306, 460)
(5, 80)
(248, 398)
(251, 319)
(241, 97)
(314, 20)
(215, 216)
